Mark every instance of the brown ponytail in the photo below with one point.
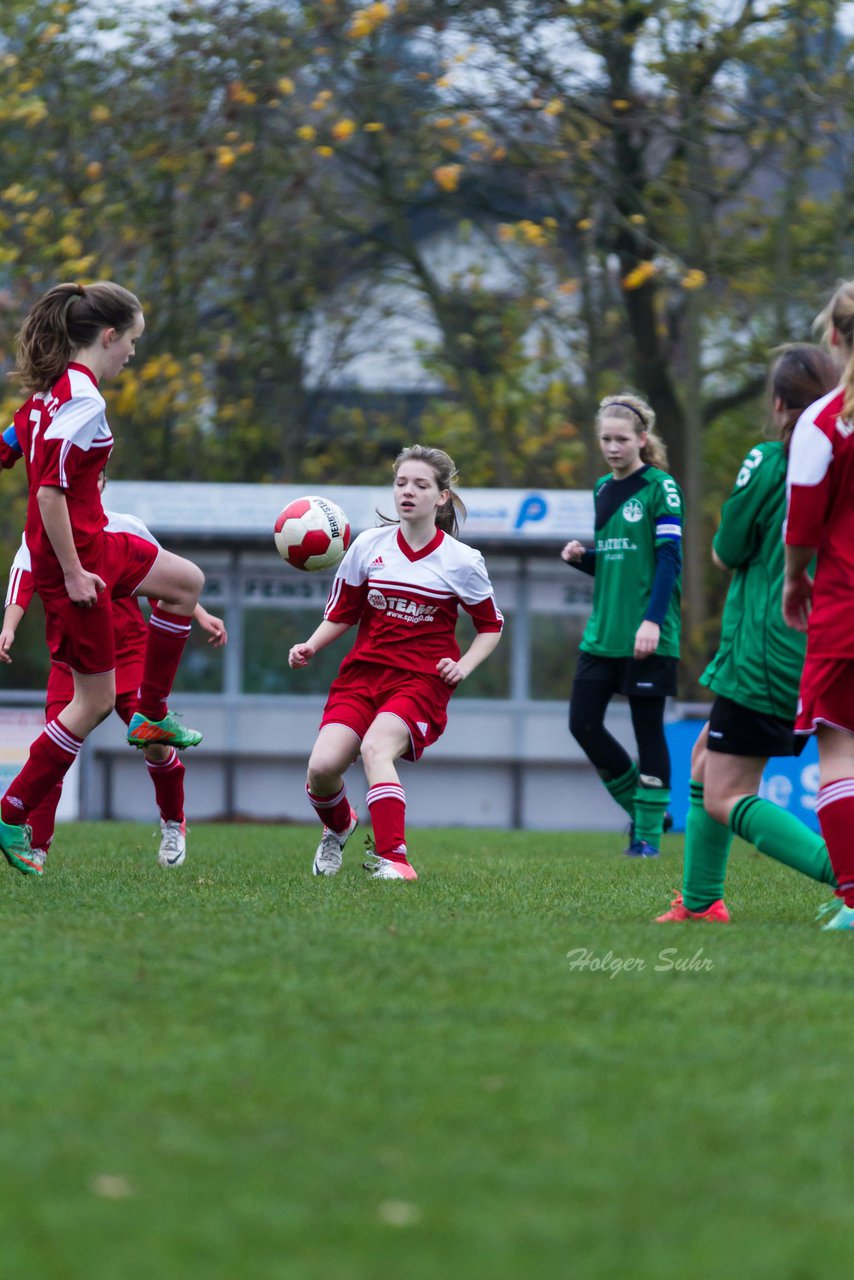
(66, 319)
(800, 375)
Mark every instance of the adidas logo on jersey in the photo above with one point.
(422, 727)
(376, 564)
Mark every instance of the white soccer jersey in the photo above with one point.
(406, 602)
(120, 522)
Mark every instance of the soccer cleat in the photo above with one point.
(716, 913)
(173, 843)
(327, 859)
(844, 919)
(168, 732)
(641, 849)
(667, 825)
(17, 850)
(388, 869)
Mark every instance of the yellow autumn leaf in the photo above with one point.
(447, 176)
(343, 129)
(639, 275)
(285, 85)
(693, 279)
(307, 132)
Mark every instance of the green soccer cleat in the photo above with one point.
(844, 919)
(16, 848)
(168, 732)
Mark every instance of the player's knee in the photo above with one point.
(376, 752)
(323, 773)
(189, 586)
(196, 579)
(101, 707)
(717, 806)
(582, 729)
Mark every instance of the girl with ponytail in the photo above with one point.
(74, 337)
(631, 642)
(820, 524)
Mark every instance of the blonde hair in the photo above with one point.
(451, 514)
(631, 408)
(838, 316)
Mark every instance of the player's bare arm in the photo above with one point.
(797, 587)
(215, 627)
(82, 586)
(301, 654)
(454, 672)
(11, 621)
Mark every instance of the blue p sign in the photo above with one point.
(532, 509)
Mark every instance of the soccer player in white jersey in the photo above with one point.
(402, 584)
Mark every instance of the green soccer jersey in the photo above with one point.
(633, 517)
(759, 658)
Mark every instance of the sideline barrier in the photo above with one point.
(789, 781)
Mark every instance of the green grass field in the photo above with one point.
(233, 1071)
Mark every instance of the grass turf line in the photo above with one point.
(236, 1070)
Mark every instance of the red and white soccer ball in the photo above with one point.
(312, 533)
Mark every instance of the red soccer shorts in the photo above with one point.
(84, 639)
(827, 695)
(364, 689)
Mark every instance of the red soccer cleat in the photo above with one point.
(717, 912)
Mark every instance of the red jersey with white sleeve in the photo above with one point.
(19, 589)
(406, 602)
(820, 485)
(66, 441)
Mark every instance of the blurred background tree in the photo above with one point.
(352, 225)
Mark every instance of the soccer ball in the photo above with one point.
(312, 533)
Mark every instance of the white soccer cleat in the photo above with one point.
(173, 843)
(330, 851)
(387, 869)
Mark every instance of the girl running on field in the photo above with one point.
(756, 670)
(631, 642)
(820, 523)
(72, 339)
(402, 584)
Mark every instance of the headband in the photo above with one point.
(622, 404)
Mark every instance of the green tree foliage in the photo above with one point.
(562, 199)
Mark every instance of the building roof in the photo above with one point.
(230, 513)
